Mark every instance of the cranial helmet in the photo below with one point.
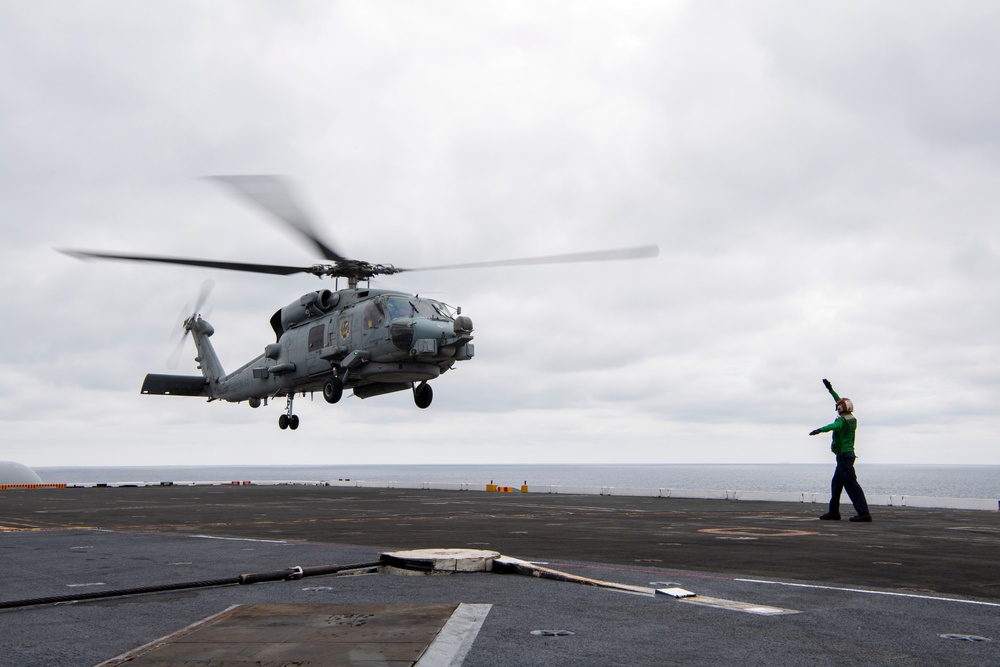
(845, 406)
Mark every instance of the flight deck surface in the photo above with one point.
(773, 584)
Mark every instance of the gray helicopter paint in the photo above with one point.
(345, 337)
(376, 341)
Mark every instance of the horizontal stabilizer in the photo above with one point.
(175, 385)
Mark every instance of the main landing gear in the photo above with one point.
(333, 390)
(288, 420)
(423, 395)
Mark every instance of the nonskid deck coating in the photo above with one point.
(916, 550)
(771, 554)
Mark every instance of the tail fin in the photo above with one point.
(208, 360)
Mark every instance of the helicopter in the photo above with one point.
(370, 341)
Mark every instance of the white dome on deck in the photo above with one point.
(16, 473)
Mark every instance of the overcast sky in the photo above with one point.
(822, 179)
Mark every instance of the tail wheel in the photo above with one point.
(423, 395)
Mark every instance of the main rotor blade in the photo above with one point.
(274, 269)
(274, 195)
(595, 256)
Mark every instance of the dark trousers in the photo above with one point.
(844, 478)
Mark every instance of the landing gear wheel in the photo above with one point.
(288, 420)
(423, 395)
(333, 390)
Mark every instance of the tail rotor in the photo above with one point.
(185, 321)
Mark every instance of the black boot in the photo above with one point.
(832, 516)
(861, 518)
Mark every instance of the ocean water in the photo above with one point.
(940, 481)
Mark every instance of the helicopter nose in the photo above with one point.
(427, 328)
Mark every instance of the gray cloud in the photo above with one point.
(820, 180)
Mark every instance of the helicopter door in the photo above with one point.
(316, 337)
(315, 342)
(373, 323)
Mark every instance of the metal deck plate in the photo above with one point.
(303, 634)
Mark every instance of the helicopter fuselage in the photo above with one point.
(370, 341)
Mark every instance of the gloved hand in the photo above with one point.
(816, 432)
(826, 383)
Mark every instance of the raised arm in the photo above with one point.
(829, 388)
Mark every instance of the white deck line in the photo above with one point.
(845, 589)
(455, 639)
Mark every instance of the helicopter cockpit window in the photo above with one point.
(425, 309)
(441, 310)
(401, 306)
(374, 316)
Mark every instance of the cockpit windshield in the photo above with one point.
(402, 306)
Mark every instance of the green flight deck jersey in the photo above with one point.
(843, 430)
(843, 434)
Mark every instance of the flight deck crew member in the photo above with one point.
(844, 477)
